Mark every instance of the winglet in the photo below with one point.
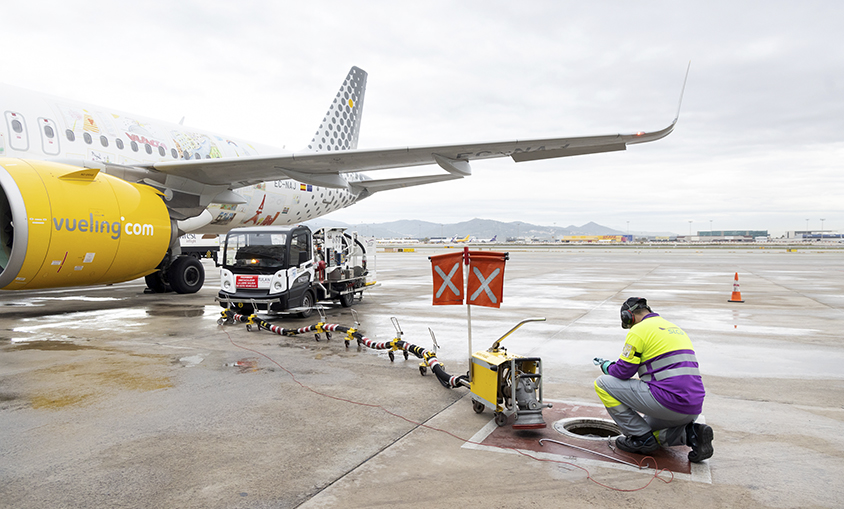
(682, 91)
(643, 137)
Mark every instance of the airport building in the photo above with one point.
(730, 236)
(597, 238)
(828, 235)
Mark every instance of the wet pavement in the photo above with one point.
(110, 397)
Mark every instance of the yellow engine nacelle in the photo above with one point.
(62, 225)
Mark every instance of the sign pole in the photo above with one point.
(468, 308)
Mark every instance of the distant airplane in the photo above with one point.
(486, 241)
(460, 240)
(95, 196)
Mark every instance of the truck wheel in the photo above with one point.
(347, 299)
(186, 275)
(307, 303)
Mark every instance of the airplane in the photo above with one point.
(457, 240)
(95, 196)
(486, 241)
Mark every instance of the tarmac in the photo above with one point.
(110, 397)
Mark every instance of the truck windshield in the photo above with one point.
(260, 251)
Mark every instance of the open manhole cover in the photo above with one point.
(588, 428)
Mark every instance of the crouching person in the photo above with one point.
(660, 406)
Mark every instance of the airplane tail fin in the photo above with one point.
(340, 128)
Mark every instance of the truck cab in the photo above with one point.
(289, 269)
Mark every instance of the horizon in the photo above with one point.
(328, 220)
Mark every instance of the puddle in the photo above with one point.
(192, 360)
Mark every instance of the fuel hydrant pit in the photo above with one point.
(583, 416)
(587, 428)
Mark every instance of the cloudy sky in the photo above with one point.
(759, 144)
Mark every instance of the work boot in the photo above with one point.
(643, 444)
(699, 438)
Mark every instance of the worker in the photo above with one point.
(659, 407)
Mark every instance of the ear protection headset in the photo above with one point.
(627, 309)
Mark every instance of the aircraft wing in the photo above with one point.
(324, 168)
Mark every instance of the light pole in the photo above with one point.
(807, 227)
(822, 220)
(690, 228)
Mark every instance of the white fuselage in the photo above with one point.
(37, 126)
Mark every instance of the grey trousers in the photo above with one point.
(668, 427)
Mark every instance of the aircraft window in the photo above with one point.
(17, 126)
(48, 132)
(119, 143)
(134, 146)
(161, 151)
(87, 138)
(174, 154)
(70, 135)
(148, 148)
(104, 141)
(197, 156)
(185, 154)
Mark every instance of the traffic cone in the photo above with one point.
(736, 296)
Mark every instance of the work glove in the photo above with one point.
(604, 364)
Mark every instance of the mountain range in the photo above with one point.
(480, 228)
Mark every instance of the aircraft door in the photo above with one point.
(49, 138)
(18, 136)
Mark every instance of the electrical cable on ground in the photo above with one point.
(430, 359)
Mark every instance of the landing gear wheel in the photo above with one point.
(500, 419)
(392, 356)
(423, 370)
(308, 304)
(478, 407)
(186, 275)
(155, 282)
(347, 299)
(405, 354)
